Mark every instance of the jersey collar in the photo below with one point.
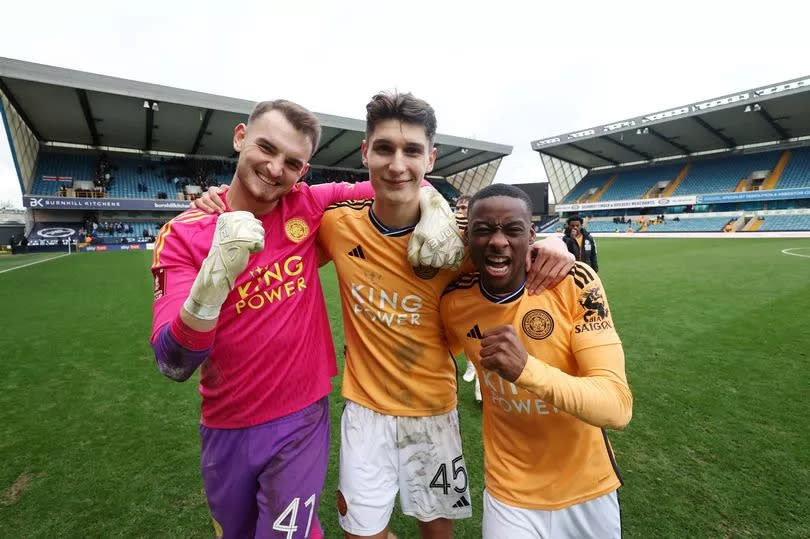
(505, 298)
(384, 230)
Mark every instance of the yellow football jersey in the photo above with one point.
(537, 456)
(397, 358)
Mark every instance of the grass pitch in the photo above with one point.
(95, 442)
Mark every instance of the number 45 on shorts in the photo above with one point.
(440, 480)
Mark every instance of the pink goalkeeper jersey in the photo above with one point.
(272, 353)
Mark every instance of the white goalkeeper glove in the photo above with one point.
(237, 236)
(435, 241)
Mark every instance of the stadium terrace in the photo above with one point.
(735, 163)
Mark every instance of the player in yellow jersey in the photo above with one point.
(552, 373)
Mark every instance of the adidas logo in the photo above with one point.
(475, 333)
(462, 502)
(358, 252)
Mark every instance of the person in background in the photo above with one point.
(580, 242)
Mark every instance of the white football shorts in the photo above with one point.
(598, 519)
(419, 457)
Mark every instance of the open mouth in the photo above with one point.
(497, 266)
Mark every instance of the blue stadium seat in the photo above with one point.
(773, 223)
(797, 171)
(693, 224)
(721, 175)
(634, 183)
(606, 226)
(586, 183)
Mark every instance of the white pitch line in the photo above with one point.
(787, 251)
(32, 263)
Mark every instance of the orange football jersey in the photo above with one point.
(397, 358)
(537, 456)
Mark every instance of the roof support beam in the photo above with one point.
(88, 116)
(669, 141)
(473, 156)
(630, 149)
(730, 142)
(20, 110)
(201, 131)
(328, 143)
(150, 125)
(781, 131)
(345, 157)
(565, 160)
(482, 163)
(602, 157)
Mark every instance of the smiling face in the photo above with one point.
(499, 234)
(398, 155)
(273, 156)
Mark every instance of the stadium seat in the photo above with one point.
(588, 182)
(633, 184)
(693, 224)
(721, 175)
(797, 171)
(773, 223)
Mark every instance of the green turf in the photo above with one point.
(99, 444)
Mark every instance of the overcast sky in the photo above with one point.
(501, 71)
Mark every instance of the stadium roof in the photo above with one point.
(777, 113)
(74, 107)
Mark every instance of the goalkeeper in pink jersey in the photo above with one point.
(239, 295)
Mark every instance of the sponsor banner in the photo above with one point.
(638, 203)
(65, 203)
(749, 196)
(125, 247)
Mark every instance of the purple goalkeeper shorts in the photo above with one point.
(266, 481)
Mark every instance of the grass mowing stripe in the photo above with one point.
(40, 260)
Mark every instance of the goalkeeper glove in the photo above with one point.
(238, 235)
(436, 240)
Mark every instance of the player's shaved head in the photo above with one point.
(501, 190)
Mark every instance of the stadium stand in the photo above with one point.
(586, 184)
(141, 177)
(797, 172)
(606, 226)
(722, 174)
(773, 223)
(634, 183)
(55, 170)
(694, 224)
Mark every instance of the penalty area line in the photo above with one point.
(32, 263)
(788, 251)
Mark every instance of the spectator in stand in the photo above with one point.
(580, 242)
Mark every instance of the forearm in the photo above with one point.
(179, 349)
(602, 398)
